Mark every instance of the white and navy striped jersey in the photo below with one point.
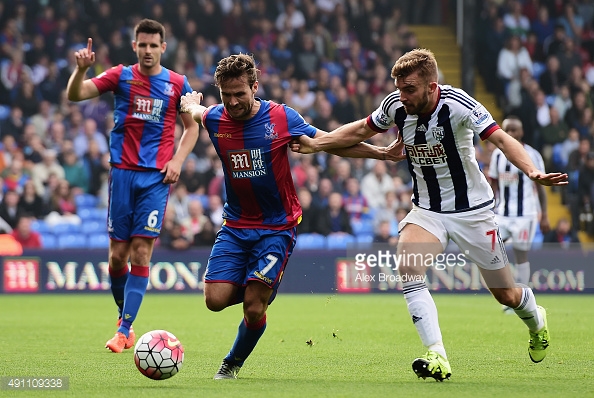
(517, 192)
(439, 149)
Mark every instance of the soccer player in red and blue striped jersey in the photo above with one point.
(143, 159)
(251, 137)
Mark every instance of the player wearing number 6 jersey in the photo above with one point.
(251, 251)
(143, 159)
(452, 198)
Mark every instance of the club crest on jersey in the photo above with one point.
(246, 163)
(270, 133)
(147, 108)
(168, 89)
(438, 133)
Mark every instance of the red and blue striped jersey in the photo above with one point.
(145, 113)
(258, 182)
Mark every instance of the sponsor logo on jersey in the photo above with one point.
(168, 89)
(426, 155)
(479, 115)
(264, 278)
(508, 178)
(247, 163)
(381, 120)
(147, 108)
(270, 134)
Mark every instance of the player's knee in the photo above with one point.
(507, 297)
(215, 304)
(117, 261)
(253, 312)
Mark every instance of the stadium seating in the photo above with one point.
(48, 240)
(339, 241)
(85, 200)
(364, 240)
(65, 228)
(310, 241)
(362, 227)
(72, 241)
(98, 241)
(40, 226)
(93, 226)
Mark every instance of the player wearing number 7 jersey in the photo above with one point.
(452, 198)
(143, 161)
(251, 251)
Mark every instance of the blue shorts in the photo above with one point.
(137, 201)
(240, 255)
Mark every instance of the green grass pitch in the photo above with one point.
(360, 345)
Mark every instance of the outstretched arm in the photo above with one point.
(78, 88)
(515, 153)
(343, 137)
(393, 152)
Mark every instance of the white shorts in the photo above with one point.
(520, 229)
(475, 232)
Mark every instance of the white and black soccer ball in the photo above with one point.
(158, 355)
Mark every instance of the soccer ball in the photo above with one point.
(158, 355)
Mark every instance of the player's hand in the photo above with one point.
(85, 57)
(303, 144)
(549, 179)
(544, 224)
(395, 151)
(189, 99)
(172, 170)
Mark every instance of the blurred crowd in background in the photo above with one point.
(328, 59)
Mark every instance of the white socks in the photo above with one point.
(523, 273)
(527, 310)
(424, 315)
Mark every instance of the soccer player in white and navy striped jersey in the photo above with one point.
(452, 198)
(519, 200)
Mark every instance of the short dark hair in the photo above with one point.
(149, 26)
(235, 66)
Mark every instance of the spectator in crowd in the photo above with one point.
(10, 212)
(563, 234)
(62, 205)
(376, 184)
(94, 168)
(23, 234)
(309, 218)
(31, 202)
(552, 134)
(74, 172)
(89, 133)
(354, 202)
(333, 218)
(383, 234)
(215, 211)
(15, 174)
(190, 177)
(42, 171)
(552, 78)
(198, 226)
